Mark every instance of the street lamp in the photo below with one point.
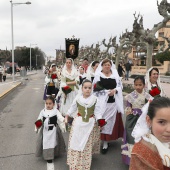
(30, 55)
(12, 34)
(36, 61)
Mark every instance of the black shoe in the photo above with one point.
(104, 151)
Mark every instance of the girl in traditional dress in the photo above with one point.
(51, 81)
(135, 101)
(50, 142)
(108, 88)
(153, 84)
(91, 70)
(84, 139)
(70, 79)
(152, 136)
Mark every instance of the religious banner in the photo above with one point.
(72, 48)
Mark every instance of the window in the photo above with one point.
(161, 34)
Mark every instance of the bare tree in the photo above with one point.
(148, 36)
(125, 45)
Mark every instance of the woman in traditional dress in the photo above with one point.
(153, 85)
(84, 139)
(152, 136)
(134, 102)
(108, 88)
(91, 70)
(82, 74)
(52, 83)
(70, 78)
(50, 142)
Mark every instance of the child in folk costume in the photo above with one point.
(50, 142)
(84, 137)
(69, 85)
(152, 136)
(52, 83)
(135, 101)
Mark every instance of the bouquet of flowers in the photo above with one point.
(97, 87)
(66, 90)
(101, 122)
(155, 92)
(38, 123)
(53, 76)
(81, 79)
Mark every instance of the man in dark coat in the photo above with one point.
(128, 68)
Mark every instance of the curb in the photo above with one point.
(9, 90)
(21, 77)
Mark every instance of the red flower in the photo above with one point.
(101, 122)
(98, 86)
(155, 91)
(54, 76)
(66, 91)
(38, 123)
(94, 86)
(66, 88)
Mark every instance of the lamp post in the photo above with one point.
(30, 55)
(36, 61)
(12, 35)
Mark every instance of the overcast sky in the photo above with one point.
(48, 22)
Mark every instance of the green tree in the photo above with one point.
(22, 57)
(164, 56)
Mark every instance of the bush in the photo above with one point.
(164, 56)
(135, 75)
(142, 64)
(157, 65)
(167, 73)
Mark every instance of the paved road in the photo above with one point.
(18, 112)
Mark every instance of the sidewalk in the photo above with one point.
(165, 86)
(9, 85)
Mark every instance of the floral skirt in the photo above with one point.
(81, 160)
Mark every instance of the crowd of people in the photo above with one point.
(88, 102)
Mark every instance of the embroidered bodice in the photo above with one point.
(85, 112)
(108, 83)
(137, 100)
(69, 80)
(52, 121)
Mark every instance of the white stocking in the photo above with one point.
(105, 145)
